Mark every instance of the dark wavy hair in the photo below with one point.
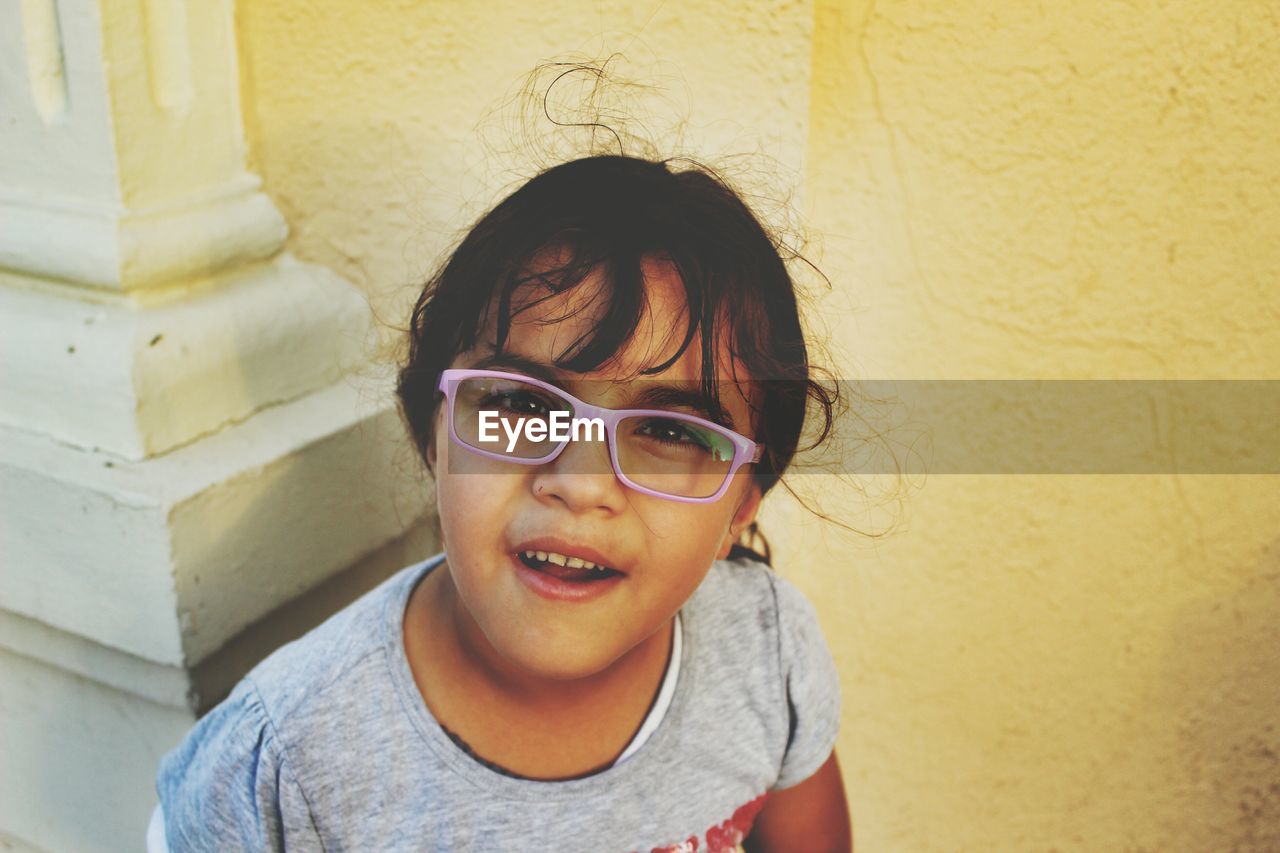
(605, 214)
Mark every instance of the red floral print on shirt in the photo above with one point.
(723, 837)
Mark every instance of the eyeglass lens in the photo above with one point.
(672, 455)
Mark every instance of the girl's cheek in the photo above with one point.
(691, 528)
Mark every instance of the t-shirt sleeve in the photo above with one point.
(228, 785)
(812, 686)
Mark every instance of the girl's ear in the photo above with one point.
(742, 518)
(431, 445)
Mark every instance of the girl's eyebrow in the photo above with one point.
(670, 396)
(653, 394)
(518, 362)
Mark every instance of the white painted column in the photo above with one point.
(196, 459)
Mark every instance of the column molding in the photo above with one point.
(198, 458)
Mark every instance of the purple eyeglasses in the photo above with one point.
(515, 418)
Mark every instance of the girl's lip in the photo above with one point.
(551, 587)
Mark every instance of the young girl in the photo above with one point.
(605, 378)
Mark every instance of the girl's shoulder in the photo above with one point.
(325, 659)
(746, 595)
(241, 770)
(230, 780)
(758, 636)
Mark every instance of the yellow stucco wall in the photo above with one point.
(383, 130)
(1085, 190)
(1004, 191)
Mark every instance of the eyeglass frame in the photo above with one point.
(745, 450)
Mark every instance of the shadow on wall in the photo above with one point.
(1223, 686)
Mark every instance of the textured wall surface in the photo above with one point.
(383, 134)
(1084, 191)
(1072, 191)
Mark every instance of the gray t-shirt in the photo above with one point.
(328, 745)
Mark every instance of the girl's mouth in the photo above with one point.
(566, 568)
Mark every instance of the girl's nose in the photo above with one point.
(581, 478)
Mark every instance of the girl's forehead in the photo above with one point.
(545, 326)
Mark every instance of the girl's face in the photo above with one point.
(491, 511)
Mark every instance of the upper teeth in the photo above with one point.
(562, 560)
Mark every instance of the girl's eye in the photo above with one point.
(524, 403)
(677, 433)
